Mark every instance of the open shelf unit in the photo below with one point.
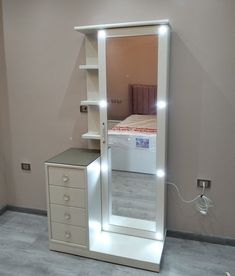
(92, 83)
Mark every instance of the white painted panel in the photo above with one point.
(93, 119)
(69, 215)
(92, 28)
(92, 85)
(74, 178)
(91, 49)
(67, 196)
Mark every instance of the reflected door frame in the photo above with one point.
(163, 33)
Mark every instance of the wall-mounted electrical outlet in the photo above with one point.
(83, 108)
(204, 182)
(25, 167)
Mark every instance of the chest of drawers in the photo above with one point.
(67, 180)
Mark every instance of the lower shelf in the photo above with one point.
(91, 135)
(133, 248)
(117, 248)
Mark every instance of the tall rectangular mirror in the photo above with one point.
(133, 77)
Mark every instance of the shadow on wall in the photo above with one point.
(75, 92)
(5, 137)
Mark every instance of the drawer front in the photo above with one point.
(67, 196)
(74, 178)
(68, 215)
(69, 233)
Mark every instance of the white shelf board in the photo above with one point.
(92, 28)
(129, 247)
(90, 102)
(89, 67)
(91, 135)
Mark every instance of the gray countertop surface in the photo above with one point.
(75, 157)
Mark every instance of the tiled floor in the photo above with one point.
(24, 251)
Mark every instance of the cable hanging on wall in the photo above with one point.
(202, 202)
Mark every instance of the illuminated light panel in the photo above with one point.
(104, 238)
(106, 226)
(104, 167)
(161, 104)
(103, 104)
(159, 236)
(163, 30)
(102, 34)
(94, 167)
(96, 226)
(160, 173)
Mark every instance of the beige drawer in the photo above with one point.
(69, 233)
(67, 196)
(69, 215)
(74, 178)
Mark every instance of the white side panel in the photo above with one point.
(94, 199)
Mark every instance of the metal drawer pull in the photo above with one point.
(103, 133)
(65, 178)
(67, 216)
(67, 235)
(66, 198)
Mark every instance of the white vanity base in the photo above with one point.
(75, 218)
(120, 249)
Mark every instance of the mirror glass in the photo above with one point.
(131, 66)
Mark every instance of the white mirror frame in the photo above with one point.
(155, 230)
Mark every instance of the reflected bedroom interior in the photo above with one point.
(132, 63)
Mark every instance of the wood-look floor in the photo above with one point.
(24, 252)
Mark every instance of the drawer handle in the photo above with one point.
(66, 198)
(67, 216)
(65, 178)
(67, 235)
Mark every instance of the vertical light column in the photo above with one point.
(103, 126)
(162, 96)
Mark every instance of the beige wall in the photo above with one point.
(129, 60)
(45, 87)
(3, 119)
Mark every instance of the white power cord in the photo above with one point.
(202, 202)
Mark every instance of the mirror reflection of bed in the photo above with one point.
(131, 94)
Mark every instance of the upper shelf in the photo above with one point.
(89, 67)
(92, 28)
(90, 102)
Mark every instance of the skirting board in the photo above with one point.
(170, 233)
(202, 238)
(24, 210)
(3, 209)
